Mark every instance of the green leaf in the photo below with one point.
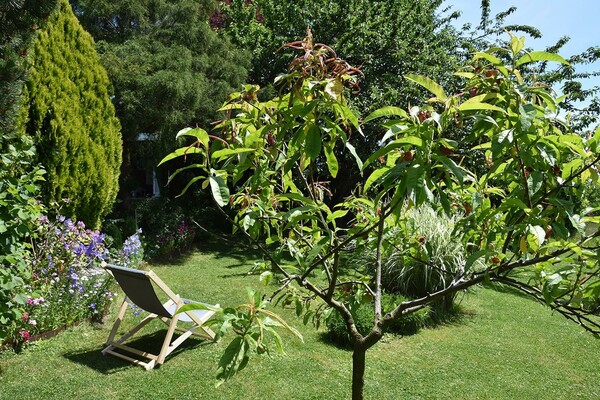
(182, 151)
(352, 151)
(198, 133)
(540, 56)
(266, 277)
(332, 162)
(334, 88)
(219, 189)
(428, 84)
(337, 214)
(494, 60)
(313, 142)
(386, 112)
(539, 233)
(403, 141)
(232, 360)
(375, 176)
(475, 103)
(223, 153)
(348, 116)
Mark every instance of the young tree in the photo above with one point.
(71, 118)
(518, 215)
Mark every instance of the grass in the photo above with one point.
(506, 347)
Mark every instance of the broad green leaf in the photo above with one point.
(296, 197)
(223, 153)
(352, 151)
(266, 277)
(476, 103)
(334, 88)
(332, 162)
(493, 59)
(198, 306)
(313, 142)
(219, 189)
(183, 151)
(198, 133)
(386, 112)
(539, 233)
(337, 214)
(467, 75)
(540, 56)
(375, 176)
(517, 44)
(348, 116)
(428, 84)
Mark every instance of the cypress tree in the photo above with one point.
(72, 119)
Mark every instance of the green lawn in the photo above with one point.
(507, 347)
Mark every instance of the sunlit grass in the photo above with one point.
(506, 347)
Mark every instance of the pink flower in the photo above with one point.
(25, 335)
(25, 316)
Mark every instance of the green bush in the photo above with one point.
(71, 118)
(363, 316)
(19, 173)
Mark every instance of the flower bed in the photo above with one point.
(67, 284)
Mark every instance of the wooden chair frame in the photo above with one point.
(144, 294)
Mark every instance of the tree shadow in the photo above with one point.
(107, 364)
(506, 289)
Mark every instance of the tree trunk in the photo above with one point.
(358, 372)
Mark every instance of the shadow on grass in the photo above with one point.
(502, 288)
(108, 364)
(457, 316)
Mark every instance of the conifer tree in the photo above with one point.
(72, 119)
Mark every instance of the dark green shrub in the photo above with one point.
(72, 119)
(363, 316)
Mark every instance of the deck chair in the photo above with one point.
(139, 287)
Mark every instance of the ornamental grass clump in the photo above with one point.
(422, 255)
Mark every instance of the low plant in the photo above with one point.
(421, 255)
(67, 284)
(364, 315)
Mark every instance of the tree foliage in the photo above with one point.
(517, 218)
(71, 118)
(387, 38)
(581, 100)
(167, 67)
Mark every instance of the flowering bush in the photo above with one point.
(68, 285)
(173, 241)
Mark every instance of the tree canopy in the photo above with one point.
(167, 67)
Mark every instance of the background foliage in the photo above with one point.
(167, 67)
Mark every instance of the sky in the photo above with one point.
(578, 19)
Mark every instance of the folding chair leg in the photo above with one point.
(117, 323)
(164, 351)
